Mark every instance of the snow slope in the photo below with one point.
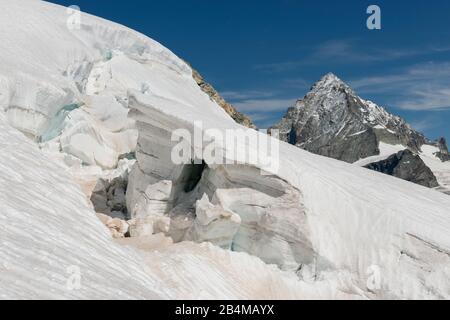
(47, 228)
(204, 271)
(48, 232)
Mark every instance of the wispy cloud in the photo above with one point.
(423, 124)
(420, 87)
(347, 51)
(431, 97)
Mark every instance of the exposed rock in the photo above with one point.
(119, 227)
(213, 224)
(110, 196)
(213, 94)
(331, 120)
(407, 166)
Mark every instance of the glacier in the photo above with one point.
(332, 120)
(74, 104)
(48, 231)
(47, 227)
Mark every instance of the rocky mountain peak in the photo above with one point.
(332, 93)
(332, 120)
(331, 83)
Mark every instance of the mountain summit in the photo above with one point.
(332, 120)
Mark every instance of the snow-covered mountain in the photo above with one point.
(333, 121)
(86, 121)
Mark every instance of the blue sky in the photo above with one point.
(263, 55)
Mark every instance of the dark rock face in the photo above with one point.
(331, 120)
(349, 149)
(407, 166)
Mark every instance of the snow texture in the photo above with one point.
(74, 87)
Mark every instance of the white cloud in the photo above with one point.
(430, 97)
